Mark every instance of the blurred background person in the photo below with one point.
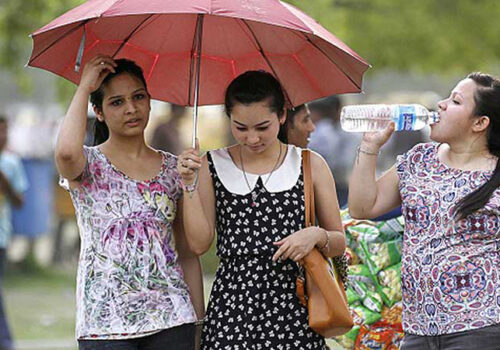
(12, 185)
(166, 136)
(332, 143)
(297, 128)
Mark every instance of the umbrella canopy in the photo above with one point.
(166, 38)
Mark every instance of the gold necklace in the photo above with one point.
(255, 195)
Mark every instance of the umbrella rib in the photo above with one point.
(330, 59)
(261, 51)
(82, 24)
(131, 34)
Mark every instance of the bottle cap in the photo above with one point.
(434, 118)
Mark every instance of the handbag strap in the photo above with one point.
(308, 188)
(339, 262)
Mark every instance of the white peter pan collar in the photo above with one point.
(282, 179)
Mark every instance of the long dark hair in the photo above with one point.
(288, 124)
(487, 99)
(101, 131)
(255, 86)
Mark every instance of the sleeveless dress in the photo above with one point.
(253, 303)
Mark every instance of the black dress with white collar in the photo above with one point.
(253, 303)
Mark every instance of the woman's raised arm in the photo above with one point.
(370, 197)
(69, 155)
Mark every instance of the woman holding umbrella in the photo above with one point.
(252, 194)
(131, 291)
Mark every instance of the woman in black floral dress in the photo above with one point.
(252, 195)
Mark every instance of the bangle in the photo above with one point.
(199, 322)
(188, 188)
(191, 187)
(360, 150)
(327, 242)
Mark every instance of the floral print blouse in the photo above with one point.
(450, 269)
(129, 282)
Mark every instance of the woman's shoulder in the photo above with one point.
(167, 156)
(223, 152)
(420, 151)
(422, 155)
(94, 155)
(424, 148)
(169, 164)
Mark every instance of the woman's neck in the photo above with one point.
(472, 156)
(129, 147)
(259, 163)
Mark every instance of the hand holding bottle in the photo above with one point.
(373, 141)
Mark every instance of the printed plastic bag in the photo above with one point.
(378, 256)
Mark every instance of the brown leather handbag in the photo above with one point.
(324, 294)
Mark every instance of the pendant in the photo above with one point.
(254, 198)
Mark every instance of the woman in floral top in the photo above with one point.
(133, 288)
(450, 197)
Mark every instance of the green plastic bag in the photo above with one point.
(363, 233)
(378, 256)
(352, 296)
(348, 340)
(369, 297)
(391, 229)
(361, 273)
(363, 315)
(388, 284)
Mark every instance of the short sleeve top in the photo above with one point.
(129, 280)
(450, 268)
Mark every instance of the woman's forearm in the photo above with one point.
(193, 276)
(330, 243)
(68, 154)
(363, 183)
(73, 127)
(198, 230)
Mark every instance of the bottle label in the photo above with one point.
(407, 118)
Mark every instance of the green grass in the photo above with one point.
(41, 305)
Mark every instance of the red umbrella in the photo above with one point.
(166, 38)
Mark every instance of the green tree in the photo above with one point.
(445, 36)
(17, 20)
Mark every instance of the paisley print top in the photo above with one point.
(129, 281)
(450, 269)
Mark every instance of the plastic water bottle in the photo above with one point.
(376, 117)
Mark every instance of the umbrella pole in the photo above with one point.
(199, 32)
